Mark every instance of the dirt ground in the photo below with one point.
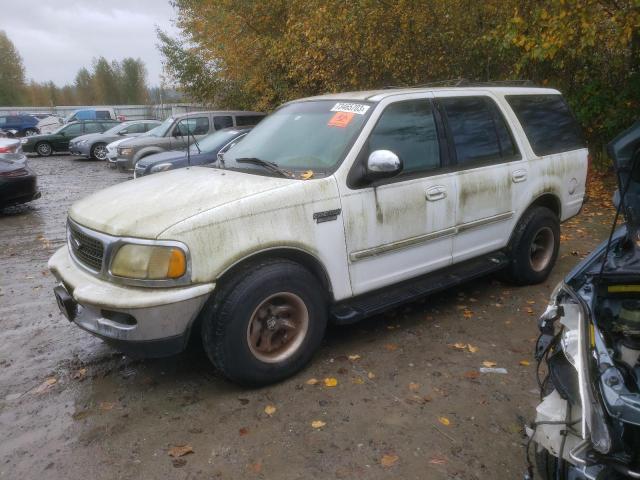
(407, 404)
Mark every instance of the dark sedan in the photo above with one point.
(18, 182)
(58, 140)
(201, 153)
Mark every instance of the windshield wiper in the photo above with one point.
(272, 166)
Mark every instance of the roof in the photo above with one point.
(378, 95)
(219, 112)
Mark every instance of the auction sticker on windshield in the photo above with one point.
(341, 119)
(356, 108)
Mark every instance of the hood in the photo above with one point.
(147, 206)
(160, 157)
(94, 136)
(624, 150)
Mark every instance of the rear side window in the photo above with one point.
(244, 120)
(102, 115)
(408, 129)
(547, 122)
(478, 130)
(93, 128)
(222, 122)
(194, 126)
(136, 128)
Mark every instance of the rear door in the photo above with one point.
(487, 168)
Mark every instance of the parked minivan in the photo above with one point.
(175, 133)
(333, 207)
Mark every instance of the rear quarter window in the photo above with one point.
(548, 123)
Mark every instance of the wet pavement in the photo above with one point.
(409, 401)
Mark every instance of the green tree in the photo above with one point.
(12, 80)
(133, 86)
(84, 87)
(104, 82)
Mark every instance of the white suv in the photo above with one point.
(333, 207)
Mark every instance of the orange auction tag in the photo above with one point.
(341, 119)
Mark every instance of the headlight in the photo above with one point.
(83, 142)
(125, 152)
(149, 262)
(24, 140)
(161, 167)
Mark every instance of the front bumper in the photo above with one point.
(124, 163)
(139, 321)
(78, 149)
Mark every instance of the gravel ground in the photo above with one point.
(407, 404)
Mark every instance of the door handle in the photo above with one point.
(519, 176)
(436, 193)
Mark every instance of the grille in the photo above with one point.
(85, 248)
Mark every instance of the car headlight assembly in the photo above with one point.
(161, 167)
(149, 262)
(125, 152)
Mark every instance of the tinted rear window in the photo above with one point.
(242, 120)
(547, 122)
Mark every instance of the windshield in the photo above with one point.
(160, 130)
(212, 143)
(302, 136)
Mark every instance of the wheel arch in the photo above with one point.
(298, 255)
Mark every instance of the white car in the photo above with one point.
(112, 152)
(333, 207)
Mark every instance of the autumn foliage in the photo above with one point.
(257, 54)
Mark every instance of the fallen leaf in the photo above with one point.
(355, 357)
(472, 374)
(306, 175)
(80, 374)
(46, 385)
(180, 450)
(414, 386)
(472, 349)
(489, 364)
(459, 346)
(389, 460)
(371, 375)
(318, 424)
(330, 382)
(106, 406)
(444, 421)
(270, 410)
(524, 363)
(358, 380)
(467, 313)
(312, 381)
(256, 467)
(243, 431)
(391, 347)
(438, 461)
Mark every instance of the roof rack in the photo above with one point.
(463, 82)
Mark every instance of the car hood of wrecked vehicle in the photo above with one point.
(147, 206)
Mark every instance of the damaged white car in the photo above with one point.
(333, 207)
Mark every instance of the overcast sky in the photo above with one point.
(58, 37)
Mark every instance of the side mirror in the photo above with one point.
(383, 164)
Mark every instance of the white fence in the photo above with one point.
(129, 112)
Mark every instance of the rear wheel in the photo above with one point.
(534, 247)
(265, 323)
(30, 131)
(44, 149)
(99, 151)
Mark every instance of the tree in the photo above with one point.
(133, 85)
(104, 82)
(11, 73)
(84, 87)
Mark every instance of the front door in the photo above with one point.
(189, 129)
(401, 227)
(61, 141)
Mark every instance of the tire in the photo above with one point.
(534, 247)
(44, 149)
(30, 131)
(99, 151)
(246, 327)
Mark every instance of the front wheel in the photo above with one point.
(534, 247)
(99, 151)
(265, 323)
(43, 149)
(30, 132)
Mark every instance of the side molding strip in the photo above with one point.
(388, 247)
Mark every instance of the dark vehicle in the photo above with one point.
(17, 181)
(58, 140)
(201, 153)
(94, 145)
(24, 125)
(588, 424)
